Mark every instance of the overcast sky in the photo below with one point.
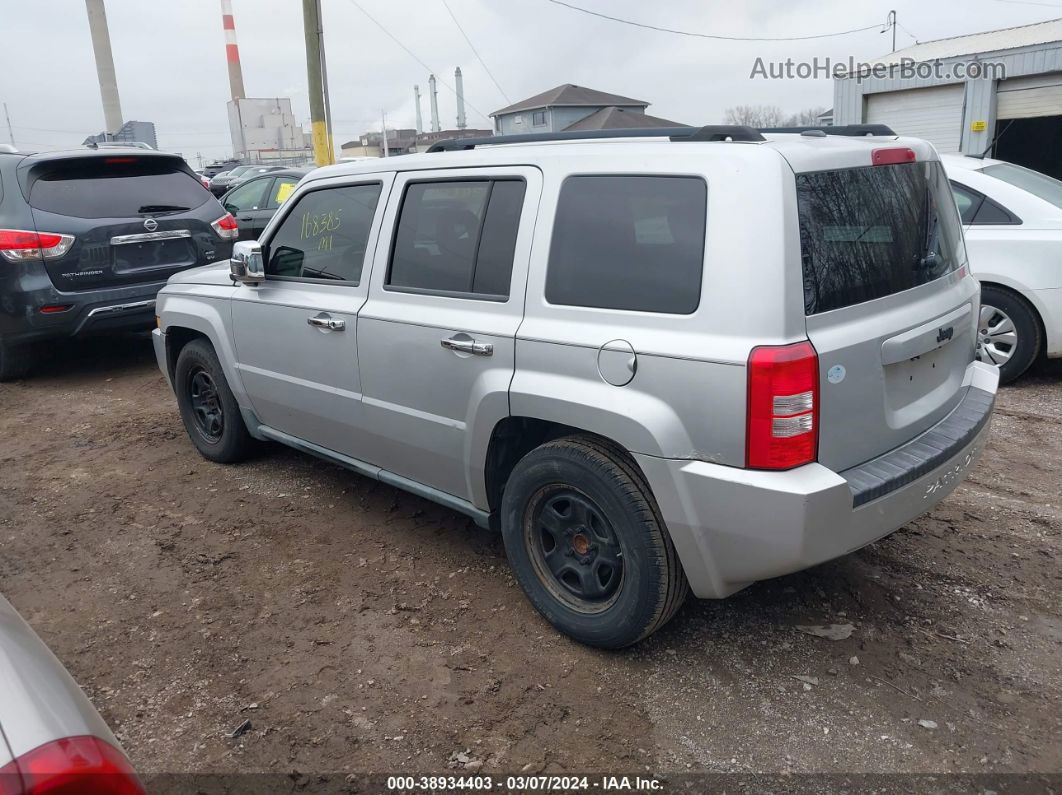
(170, 57)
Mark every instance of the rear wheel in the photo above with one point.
(1008, 332)
(208, 408)
(587, 545)
(14, 361)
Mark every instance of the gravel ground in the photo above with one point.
(359, 628)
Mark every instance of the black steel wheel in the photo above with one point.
(209, 410)
(206, 404)
(586, 543)
(574, 547)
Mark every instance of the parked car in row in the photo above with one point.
(685, 361)
(220, 184)
(52, 740)
(1013, 222)
(87, 238)
(254, 200)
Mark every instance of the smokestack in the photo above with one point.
(101, 46)
(232, 52)
(433, 96)
(416, 99)
(459, 84)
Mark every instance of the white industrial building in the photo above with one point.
(1010, 105)
(266, 129)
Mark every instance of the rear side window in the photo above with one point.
(325, 235)
(1047, 188)
(866, 233)
(116, 190)
(457, 237)
(629, 242)
(976, 208)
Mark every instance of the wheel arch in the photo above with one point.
(513, 437)
(1028, 296)
(185, 318)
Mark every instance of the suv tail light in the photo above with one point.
(226, 227)
(18, 245)
(83, 765)
(783, 410)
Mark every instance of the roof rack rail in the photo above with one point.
(854, 130)
(718, 132)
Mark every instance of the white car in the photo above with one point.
(1013, 222)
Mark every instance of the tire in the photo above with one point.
(1008, 332)
(14, 361)
(585, 540)
(208, 408)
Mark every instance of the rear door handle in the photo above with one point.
(326, 321)
(462, 343)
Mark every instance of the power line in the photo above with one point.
(709, 35)
(476, 52)
(909, 33)
(413, 55)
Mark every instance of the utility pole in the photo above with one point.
(10, 132)
(383, 127)
(324, 82)
(891, 22)
(321, 135)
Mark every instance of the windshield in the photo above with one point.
(1040, 185)
(869, 232)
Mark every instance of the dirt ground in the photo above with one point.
(359, 628)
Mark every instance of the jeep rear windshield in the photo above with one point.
(101, 188)
(866, 233)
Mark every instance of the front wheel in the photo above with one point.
(208, 408)
(587, 545)
(1008, 332)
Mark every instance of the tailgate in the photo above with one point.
(891, 309)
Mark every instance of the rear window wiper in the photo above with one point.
(162, 208)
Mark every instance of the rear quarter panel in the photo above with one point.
(39, 700)
(687, 397)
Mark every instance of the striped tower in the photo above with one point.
(232, 52)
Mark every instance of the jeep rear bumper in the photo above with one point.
(732, 527)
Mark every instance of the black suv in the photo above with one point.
(87, 238)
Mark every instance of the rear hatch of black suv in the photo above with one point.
(132, 218)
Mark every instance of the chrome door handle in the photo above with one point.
(462, 343)
(325, 321)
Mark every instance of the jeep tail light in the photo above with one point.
(892, 155)
(18, 245)
(783, 406)
(226, 227)
(82, 765)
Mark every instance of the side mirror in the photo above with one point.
(246, 264)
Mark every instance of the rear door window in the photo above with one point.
(457, 237)
(325, 235)
(282, 188)
(629, 242)
(866, 233)
(116, 190)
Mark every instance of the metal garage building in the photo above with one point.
(1012, 110)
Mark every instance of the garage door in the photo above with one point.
(1029, 97)
(931, 113)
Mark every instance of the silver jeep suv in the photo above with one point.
(657, 361)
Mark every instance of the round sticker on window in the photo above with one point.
(836, 374)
